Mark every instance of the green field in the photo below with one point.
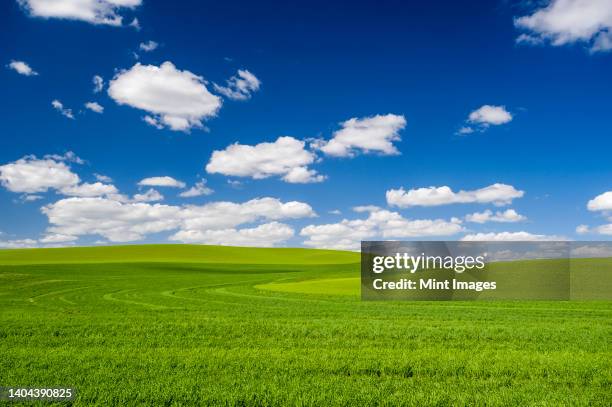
(204, 325)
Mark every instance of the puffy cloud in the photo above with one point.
(92, 11)
(32, 175)
(487, 115)
(498, 194)
(94, 107)
(151, 195)
(148, 46)
(347, 234)
(98, 83)
(240, 86)
(176, 99)
(601, 202)
(604, 229)
(59, 106)
(120, 221)
(162, 182)
(198, 189)
(114, 220)
(564, 22)
(366, 135)
(266, 235)
(89, 190)
(507, 216)
(22, 68)
(285, 157)
(510, 237)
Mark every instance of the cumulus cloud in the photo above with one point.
(485, 116)
(507, 216)
(198, 189)
(22, 68)
(286, 157)
(59, 106)
(239, 86)
(104, 12)
(347, 234)
(564, 22)
(103, 178)
(89, 189)
(164, 181)
(130, 221)
(582, 229)
(57, 238)
(365, 135)
(31, 175)
(151, 195)
(148, 46)
(497, 194)
(510, 237)
(94, 107)
(601, 202)
(175, 99)
(265, 235)
(98, 83)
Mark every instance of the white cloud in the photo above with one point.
(89, 190)
(564, 22)
(347, 234)
(94, 107)
(103, 178)
(601, 202)
(507, 216)
(177, 99)
(365, 135)
(135, 24)
(92, 11)
(57, 105)
(488, 115)
(57, 238)
(114, 220)
(151, 195)
(266, 235)
(18, 244)
(498, 194)
(582, 229)
(510, 237)
(129, 221)
(162, 182)
(285, 157)
(465, 130)
(98, 83)
(240, 86)
(148, 46)
(22, 68)
(198, 189)
(31, 175)
(604, 229)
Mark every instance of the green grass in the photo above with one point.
(197, 325)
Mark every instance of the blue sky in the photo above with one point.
(410, 74)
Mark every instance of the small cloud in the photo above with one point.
(98, 83)
(57, 105)
(582, 229)
(148, 46)
(164, 181)
(135, 24)
(240, 86)
(22, 68)
(488, 115)
(151, 195)
(103, 178)
(198, 189)
(335, 212)
(94, 107)
(465, 130)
